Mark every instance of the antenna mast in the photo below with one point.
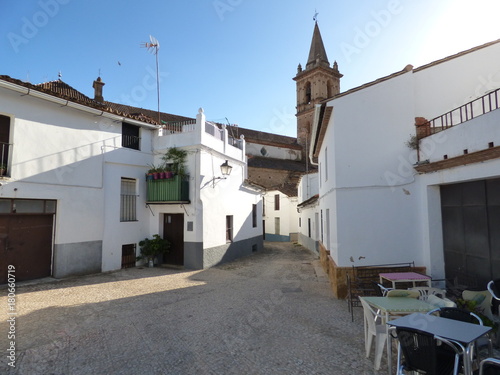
(153, 46)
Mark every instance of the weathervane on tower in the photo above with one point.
(315, 18)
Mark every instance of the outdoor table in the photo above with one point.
(391, 306)
(465, 333)
(401, 277)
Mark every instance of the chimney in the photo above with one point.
(97, 85)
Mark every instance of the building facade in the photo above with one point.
(413, 176)
(74, 195)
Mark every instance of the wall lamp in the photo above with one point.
(225, 169)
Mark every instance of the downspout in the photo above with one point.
(317, 118)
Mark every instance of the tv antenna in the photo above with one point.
(153, 46)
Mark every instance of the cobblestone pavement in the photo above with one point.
(270, 313)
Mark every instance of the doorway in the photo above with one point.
(471, 239)
(173, 231)
(26, 244)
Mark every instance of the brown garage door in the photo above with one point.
(26, 243)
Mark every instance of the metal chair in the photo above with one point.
(374, 330)
(494, 288)
(425, 353)
(380, 289)
(489, 366)
(456, 313)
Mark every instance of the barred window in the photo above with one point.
(130, 136)
(128, 203)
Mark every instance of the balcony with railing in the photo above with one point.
(199, 131)
(172, 190)
(477, 107)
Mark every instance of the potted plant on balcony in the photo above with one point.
(175, 159)
(152, 248)
(3, 169)
(152, 173)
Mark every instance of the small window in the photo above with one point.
(263, 207)
(128, 203)
(128, 255)
(254, 215)
(308, 93)
(277, 228)
(130, 136)
(229, 228)
(277, 202)
(326, 164)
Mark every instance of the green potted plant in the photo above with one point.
(3, 169)
(175, 159)
(152, 248)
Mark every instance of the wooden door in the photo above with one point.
(173, 231)
(26, 244)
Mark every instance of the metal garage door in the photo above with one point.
(471, 229)
(26, 238)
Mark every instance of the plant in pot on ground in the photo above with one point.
(152, 248)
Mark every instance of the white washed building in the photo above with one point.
(381, 201)
(73, 193)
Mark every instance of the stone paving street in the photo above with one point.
(271, 313)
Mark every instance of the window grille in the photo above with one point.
(128, 203)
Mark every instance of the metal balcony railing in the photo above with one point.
(477, 107)
(175, 189)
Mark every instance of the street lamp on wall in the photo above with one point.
(225, 169)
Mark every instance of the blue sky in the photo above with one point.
(234, 58)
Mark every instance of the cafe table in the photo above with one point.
(404, 277)
(392, 307)
(465, 333)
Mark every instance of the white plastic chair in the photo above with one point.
(374, 330)
(426, 291)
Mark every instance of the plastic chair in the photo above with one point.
(380, 289)
(403, 293)
(425, 353)
(489, 366)
(374, 330)
(426, 291)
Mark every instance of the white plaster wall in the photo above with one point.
(308, 187)
(287, 213)
(370, 190)
(76, 158)
(305, 214)
(273, 151)
(117, 233)
(445, 86)
(473, 135)
(222, 197)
